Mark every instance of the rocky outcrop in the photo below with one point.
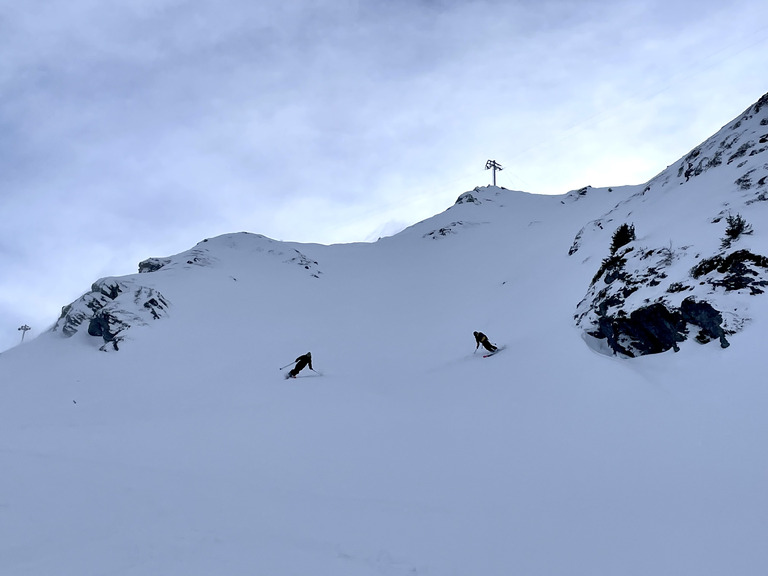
(637, 307)
(444, 231)
(305, 262)
(709, 321)
(153, 264)
(110, 309)
(467, 198)
(659, 327)
(739, 270)
(639, 303)
(647, 330)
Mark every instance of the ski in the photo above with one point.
(499, 349)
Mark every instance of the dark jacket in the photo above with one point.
(301, 362)
(481, 338)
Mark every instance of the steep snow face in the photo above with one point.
(698, 258)
(741, 144)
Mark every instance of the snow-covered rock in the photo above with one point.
(110, 309)
(688, 276)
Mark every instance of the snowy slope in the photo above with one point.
(186, 452)
(682, 254)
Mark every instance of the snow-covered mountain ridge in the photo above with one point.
(114, 305)
(677, 278)
(406, 452)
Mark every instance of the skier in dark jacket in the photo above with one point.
(301, 362)
(481, 338)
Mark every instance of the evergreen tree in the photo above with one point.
(624, 235)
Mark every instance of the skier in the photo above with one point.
(481, 338)
(301, 362)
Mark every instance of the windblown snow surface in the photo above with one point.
(187, 453)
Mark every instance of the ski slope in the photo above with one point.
(187, 452)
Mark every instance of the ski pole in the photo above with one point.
(286, 366)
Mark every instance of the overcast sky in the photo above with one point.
(136, 128)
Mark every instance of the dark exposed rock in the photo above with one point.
(678, 287)
(704, 315)
(444, 231)
(199, 257)
(108, 327)
(736, 271)
(576, 244)
(744, 182)
(695, 164)
(467, 198)
(642, 301)
(648, 330)
(613, 312)
(111, 308)
(592, 226)
(306, 263)
(742, 150)
(658, 327)
(152, 264)
(109, 288)
(71, 319)
(763, 101)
